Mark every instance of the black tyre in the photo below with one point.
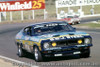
(78, 22)
(37, 55)
(21, 52)
(85, 55)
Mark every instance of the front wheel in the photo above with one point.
(37, 55)
(78, 22)
(20, 51)
(85, 55)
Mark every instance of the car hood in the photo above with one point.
(57, 34)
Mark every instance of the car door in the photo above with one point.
(27, 35)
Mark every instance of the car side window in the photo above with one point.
(27, 31)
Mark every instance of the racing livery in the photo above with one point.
(52, 39)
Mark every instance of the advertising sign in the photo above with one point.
(68, 3)
(22, 5)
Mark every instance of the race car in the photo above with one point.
(72, 19)
(52, 39)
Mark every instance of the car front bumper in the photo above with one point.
(65, 51)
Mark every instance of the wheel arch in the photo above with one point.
(35, 45)
(19, 44)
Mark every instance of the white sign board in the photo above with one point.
(69, 3)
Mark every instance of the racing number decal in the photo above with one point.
(37, 4)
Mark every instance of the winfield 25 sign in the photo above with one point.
(68, 3)
(22, 5)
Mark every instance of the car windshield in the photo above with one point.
(52, 27)
(70, 17)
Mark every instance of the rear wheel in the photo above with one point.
(78, 22)
(37, 55)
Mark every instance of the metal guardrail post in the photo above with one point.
(33, 14)
(22, 18)
(11, 16)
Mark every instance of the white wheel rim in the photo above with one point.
(36, 53)
(19, 51)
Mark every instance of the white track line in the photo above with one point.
(17, 62)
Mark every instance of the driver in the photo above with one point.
(39, 31)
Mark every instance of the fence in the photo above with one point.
(50, 12)
(78, 5)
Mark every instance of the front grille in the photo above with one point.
(69, 42)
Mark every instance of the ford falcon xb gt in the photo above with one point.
(52, 39)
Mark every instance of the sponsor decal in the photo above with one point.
(58, 55)
(66, 37)
(68, 3)
(22, 5)
(78, 52)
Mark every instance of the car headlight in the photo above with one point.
(87, 41)
(46, 45)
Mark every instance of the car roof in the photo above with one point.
(45, 23)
